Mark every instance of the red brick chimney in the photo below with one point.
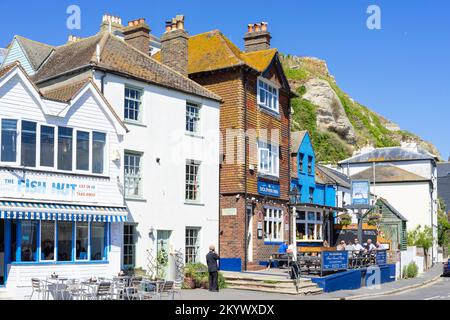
(137, 34)
(174, 45)
(257, 37)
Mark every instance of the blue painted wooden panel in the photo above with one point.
(15, 53)
(231, 264)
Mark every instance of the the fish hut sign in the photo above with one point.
(55, 187)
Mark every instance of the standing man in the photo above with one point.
(211, 259)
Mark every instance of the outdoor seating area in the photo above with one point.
(98, 288)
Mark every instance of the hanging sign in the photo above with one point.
(360, 193)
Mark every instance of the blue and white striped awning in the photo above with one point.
(61, 212)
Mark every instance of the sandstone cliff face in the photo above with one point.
(331, 114)
(336, 113)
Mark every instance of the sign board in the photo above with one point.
(334, 260)
(229, 212)
(268, 189)
(381, 258)
(360, 193)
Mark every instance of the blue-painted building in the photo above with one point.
(318, 187)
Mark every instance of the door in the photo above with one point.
(250, 234)
(162, 253)
(2, 252)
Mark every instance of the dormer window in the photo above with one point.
(268, 96)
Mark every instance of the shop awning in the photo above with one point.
(61, 212)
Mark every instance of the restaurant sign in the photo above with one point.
(334, 260)
(381, 258)
(360, 193)
(268, 189)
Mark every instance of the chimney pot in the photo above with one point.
(257, 27)
(264, 26)
(258, 37)
(174, 45)
(250, 27)
(168, 26)
(137, 34)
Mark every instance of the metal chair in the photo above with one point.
(38, 287)
(167, 289)
(104, 291)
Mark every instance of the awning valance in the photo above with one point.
(61, 212)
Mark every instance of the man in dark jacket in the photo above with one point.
(211, 259)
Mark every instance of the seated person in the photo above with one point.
(358, 246)
(369, 246)
(341, 246)
(283, 248)
(326, 244)
(349, 246)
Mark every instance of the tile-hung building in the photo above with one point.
(321, 194)
(61, 209)
(171, 154)
(255, 116)
(405, 176)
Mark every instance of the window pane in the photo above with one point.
(29, 240)
(98, 152)
(65, 148)
(97, 241)
(82, 150)
(47, 146)
(133, 174)
(82, 240)
(192, 118)
(9, 137)
(47, 240)
(301, 231)
(28, 150)
(192, 181)
(132, 104)
(311, 228)
(64, 241)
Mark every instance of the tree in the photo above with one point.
(422, 239)
(443, 228)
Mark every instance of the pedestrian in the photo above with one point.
(211, 259)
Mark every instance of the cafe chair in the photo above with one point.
(38, 287)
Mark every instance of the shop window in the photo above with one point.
(192, 118)
(97, 241)
(273, 225)
(192, 181)
(64, 241)
(47, 146)
(82, 240)
(192, 245)
(28, 243)
(47, 241)
(98, 152)
(28, 144)
(83, 150)
(133, 102)
(9, 140)
(309, 226)
(65, 137)
(133, 174)
(129, 246)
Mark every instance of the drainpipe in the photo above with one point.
(245, 172)
(102, 80)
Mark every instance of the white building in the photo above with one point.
(405, 176)
(171, 158)
(61, 209)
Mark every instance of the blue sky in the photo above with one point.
(401, 71)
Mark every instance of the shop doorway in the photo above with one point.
(250, 234)
(2, 252)
(162, 253)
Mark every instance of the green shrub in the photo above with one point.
(410, 271)
(199, 272)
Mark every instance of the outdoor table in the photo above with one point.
(55, 286)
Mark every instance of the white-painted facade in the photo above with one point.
(87, 112)
(161, 139)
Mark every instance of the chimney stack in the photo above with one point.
(257, 37)
(137, 34)
(174, 45)
(113, 21)
(73, 39)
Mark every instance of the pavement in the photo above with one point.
(426, 280)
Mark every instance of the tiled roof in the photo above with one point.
(332, 176)
(66, 92)
(36, 52)
(388, 173)
(117, 56)
(7, 68)
(393, 210)
(213, 51)
(296, 140)
(388, 154)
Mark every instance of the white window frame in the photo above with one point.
(272, 168)
(195, 246)
(140, 176)
(275, 218)
(133, 244)
(199, 182)
(270, 90)
(140, 118)
(198, 124)
(307, 222)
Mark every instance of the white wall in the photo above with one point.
(162, 135)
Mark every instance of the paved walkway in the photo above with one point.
(363, 293)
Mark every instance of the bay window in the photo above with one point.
(47, 241)
(309, 226)
(83, 150)
(65, 137)
(9, 140)
(98, 152)
(268, 96)
(273, 225)
(97, 241)
(268, 158)
(47, 146)
(28, 145)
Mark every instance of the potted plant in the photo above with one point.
(375, 219)
(345, 219)
(190, 274)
